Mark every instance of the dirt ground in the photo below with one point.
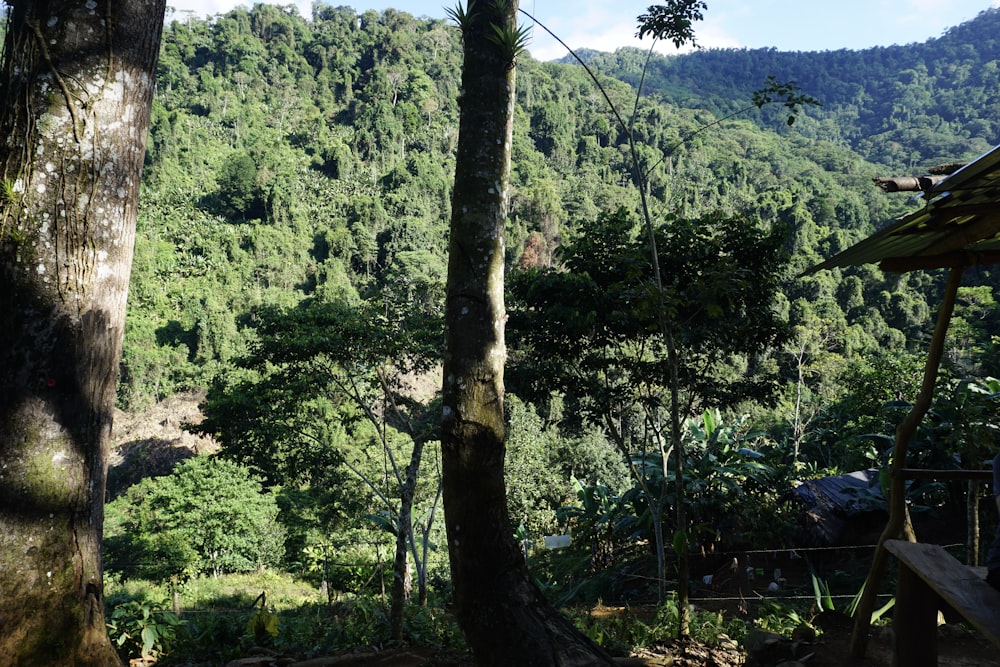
(957, 647)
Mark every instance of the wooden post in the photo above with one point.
(914, 621)
(899, 524)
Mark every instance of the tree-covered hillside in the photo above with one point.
(905, 106)
(290, 158)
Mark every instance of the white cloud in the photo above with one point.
(714, 36)
(597, 27)
(203, 8)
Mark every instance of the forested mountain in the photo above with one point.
(292, 157)
(293, 163)
(904, 106)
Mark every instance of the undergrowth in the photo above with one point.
(223, 619)
(628, 628)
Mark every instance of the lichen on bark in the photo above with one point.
(74, 108)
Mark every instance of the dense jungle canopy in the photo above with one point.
(292, 157)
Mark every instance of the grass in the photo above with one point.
(219, 618)
(231, 592)
(220, 615)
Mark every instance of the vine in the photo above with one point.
(55, 75)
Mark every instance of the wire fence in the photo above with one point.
(750, 582)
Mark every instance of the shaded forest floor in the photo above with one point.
(957, 647)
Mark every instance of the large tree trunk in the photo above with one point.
(75, 93)
(505, 618)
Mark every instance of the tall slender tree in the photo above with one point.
(504, 616)
(75, 93)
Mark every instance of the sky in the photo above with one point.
(788, 25)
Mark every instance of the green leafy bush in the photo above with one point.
(238, 189)
(209, 516)
(141, 629)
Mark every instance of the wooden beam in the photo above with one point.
(951, 260)
(908, 183)
(945, 578)
(914, 619)
(947, 168)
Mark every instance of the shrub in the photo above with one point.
(142, 629)
(208, 516)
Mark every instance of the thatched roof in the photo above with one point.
(959, 226)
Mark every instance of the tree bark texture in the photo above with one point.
(401, 583)
(504, 617)
(75, 93)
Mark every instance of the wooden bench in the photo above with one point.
(931, 579)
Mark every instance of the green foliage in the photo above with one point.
(780, 617)
(732, 486)
(960, 431)
(429, 626)
(535, 489)
(673, 20)
(325, 396)
(304, 408)
(8, 198)
(512, 41)
(590, 333)
(141, 629)
(461, 14)
(603, 524)
(238, 187)
(973, 349)
(821, 591)
(209, 516)
(731, 492)
(219, 618)
(785, 92)
(240, 590)
(877, 101)
(873, 401)
(292, 229)
(289, 158)
(587, 455)
(620, 630)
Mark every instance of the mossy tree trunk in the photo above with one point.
(75, 92)
(505, 618)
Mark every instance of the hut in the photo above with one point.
(958, 228)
